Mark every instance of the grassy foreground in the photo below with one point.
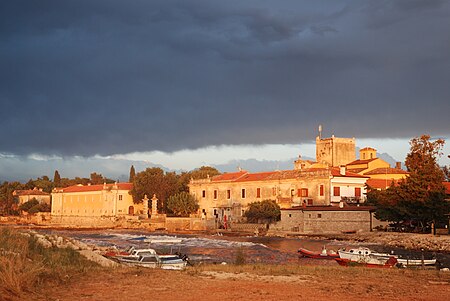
(28, 271)
(25, 264)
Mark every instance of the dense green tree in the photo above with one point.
(198, 173)
(182, 204)
(8, 202)
(28, 205)
(33, 206)
(420, 198)
(266, 211)
(155, 181)
(43, 183)
(56, 179)
(204, 172)
(132, 174)
(97, 179)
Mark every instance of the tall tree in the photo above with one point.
(204, 172)
(154, 181)
(132, 174)
(56, 179)
(420, 198)
(97, 178)
(44, 183)
(425, 175)
(8, 203)
(198, 173)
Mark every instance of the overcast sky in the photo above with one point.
(88, 79)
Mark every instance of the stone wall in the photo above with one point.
(247, 227)
(184, 224)
(336, 221)
(99, 222)
(323, 221)
(291, 220)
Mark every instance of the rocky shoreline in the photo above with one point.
(91, 252)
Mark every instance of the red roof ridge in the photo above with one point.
(359, 161)
(96, 187)
(383, 170)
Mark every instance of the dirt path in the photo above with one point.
(147, 284)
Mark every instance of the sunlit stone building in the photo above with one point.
(107, 200)
(325, 182)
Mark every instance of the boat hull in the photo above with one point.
(348, 263)
(367, 255)
(316, 255)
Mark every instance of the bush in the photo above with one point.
(240, 257)
(264, 211)
(28, 205)
(182, 204)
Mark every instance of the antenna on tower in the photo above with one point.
(320, 131)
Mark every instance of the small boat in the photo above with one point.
(316, 255)
(129, 252)
(133, 256)
(165, 262)
(369, 262)
(362, 254)
(416, 262)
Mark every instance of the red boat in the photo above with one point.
(391, 262)
(316, 255)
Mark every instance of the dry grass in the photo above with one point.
(19, 274)
(321, 272)
(25, 264)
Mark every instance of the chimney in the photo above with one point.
(398, 165)
(342, 170)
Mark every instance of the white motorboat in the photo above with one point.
(363, 254)
(166, 262)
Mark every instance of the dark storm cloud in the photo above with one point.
(105, 77)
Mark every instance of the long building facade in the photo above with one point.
(326, 182)
(107, 200)
(227, 196)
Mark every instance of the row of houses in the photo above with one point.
(326, 195)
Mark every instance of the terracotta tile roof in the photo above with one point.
(360, 162)
(230, 176)
(381, 183)
(356, 170)
(260, 176)
(87, 188)
(245, 176)
(386, 170)
(29, 192)
(285, 174)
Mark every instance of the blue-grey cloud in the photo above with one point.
(105, 77)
